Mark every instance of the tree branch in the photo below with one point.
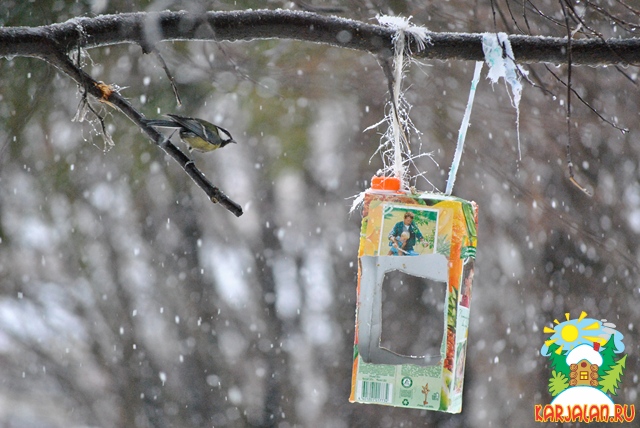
(64, 64)
(54, 42)
(150, 28)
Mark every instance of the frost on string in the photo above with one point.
(394, 146)
(395, 142)
(402, 25)
(499, 57)
(394, 165)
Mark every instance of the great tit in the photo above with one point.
(197, 134)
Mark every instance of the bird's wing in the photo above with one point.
(162, 123)
(191, 125)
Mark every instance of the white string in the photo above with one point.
(398, 167)
(397, 141)
(462, 133)
(394, 144)
(498, 54)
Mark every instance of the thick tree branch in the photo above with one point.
(54, 42)
(149, 28)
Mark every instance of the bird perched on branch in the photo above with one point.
(197, 134)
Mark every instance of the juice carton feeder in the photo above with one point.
(420, 245)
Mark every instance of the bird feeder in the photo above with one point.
(430, 239)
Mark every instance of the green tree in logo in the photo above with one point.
(608, 353)
(559, 380)
(558, 360)
(611, 379)
(557, 383)
(611, 370)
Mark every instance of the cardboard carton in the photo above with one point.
(431, 240)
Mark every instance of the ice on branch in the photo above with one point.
(419, 34)
(499, 57)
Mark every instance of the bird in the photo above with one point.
(197, 134)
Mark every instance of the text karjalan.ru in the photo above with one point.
(584, 413)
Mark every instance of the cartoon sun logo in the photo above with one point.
(573, 332)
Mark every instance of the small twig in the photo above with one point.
(599, 35)
(624, 24)
(524, 16)
(583, 101)
(62, 62)
(513, 18)
(538, 85)
(495, 22)
(542, 14)
(631, 79)
(629, 8)
(105, 133)
(236, 68)
(569, 65)
(172, 80)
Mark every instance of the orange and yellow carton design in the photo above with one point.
(433, 238)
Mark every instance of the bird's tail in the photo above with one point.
(162, 123)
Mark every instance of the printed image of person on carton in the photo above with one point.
(399, 246)
(404, 245)
(467, 283)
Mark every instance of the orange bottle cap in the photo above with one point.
(385, 183)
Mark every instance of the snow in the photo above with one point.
(581, 395)
(584, 352)
(403, 25)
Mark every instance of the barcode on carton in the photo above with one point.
(380, 392)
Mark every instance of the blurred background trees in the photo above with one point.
(128, 299)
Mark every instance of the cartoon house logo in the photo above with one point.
(587, 364)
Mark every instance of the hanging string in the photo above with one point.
(462, 133)
(394, 144)
(398, 167)
(568, 115)
(498, 55)
(399, 121)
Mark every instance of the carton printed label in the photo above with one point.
(432, 238)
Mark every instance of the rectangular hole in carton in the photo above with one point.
(412, 315)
